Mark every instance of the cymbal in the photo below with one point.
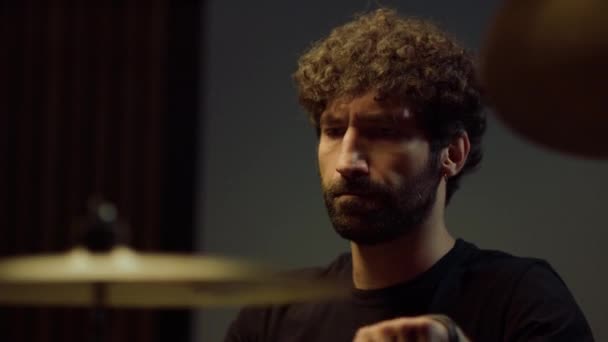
(544, 65)
(125, 278)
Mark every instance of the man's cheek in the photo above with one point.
(394, 179)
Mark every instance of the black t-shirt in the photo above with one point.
(492, 296)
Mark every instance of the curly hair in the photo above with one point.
(403, 58)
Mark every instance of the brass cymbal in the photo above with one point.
(124, 278)
(544, 65)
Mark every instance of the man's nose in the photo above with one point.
(352, 161)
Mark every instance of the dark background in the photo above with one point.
(260, 196)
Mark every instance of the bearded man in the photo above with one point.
(398, 114)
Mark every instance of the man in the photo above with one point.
(398, 113)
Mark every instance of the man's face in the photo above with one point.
(378, 175)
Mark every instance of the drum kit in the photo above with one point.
(122, 277)
(101, 271)
(544, 68)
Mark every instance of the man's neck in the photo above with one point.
(403, 259)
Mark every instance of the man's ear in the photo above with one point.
(454, 156)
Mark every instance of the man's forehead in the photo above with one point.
(367, 107)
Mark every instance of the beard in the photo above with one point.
(379, 213)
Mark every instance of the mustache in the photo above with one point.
(357, 186)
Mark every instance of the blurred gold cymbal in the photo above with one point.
(124, 278)
(544, 64)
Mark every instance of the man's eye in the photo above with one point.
(383, 132)
(333, 132)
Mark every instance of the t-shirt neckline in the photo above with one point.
(426, 281)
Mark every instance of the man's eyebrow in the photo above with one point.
(379, 118)
(369, 118)
(330, 118)
(376, 119)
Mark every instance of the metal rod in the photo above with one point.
(98, 316)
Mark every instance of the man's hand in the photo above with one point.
(428, 328)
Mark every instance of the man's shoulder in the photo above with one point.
(339, 267)
(499, 263)
(485, 276)
(522, 297)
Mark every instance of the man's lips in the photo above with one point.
(353, 194)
